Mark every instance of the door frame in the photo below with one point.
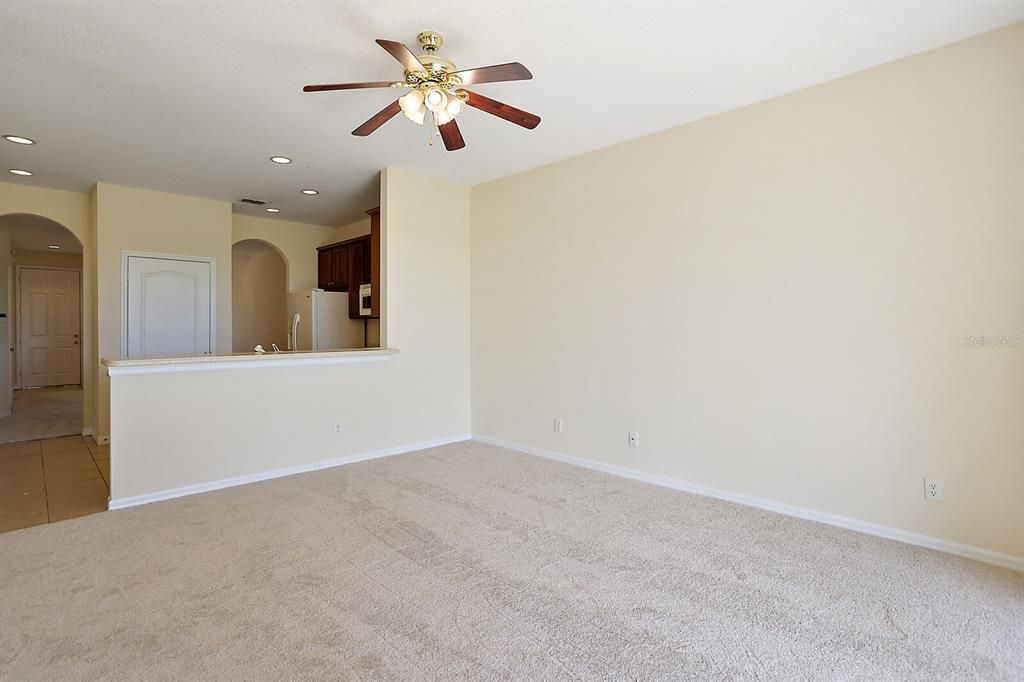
(16, 384)
(127, 254)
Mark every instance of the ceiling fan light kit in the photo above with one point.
(436, 87)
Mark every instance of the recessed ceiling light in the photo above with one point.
(310, 192)
(18, 139)
(52, 246)
(18, 171)
(280, 159)
(273, 210)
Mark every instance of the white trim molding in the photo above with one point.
(90, 432)
(968, 551)
(125, 502)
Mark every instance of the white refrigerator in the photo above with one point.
(318, 320)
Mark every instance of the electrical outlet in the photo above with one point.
(337, 429)
(634, 439)
(932, 489)
(558, 425)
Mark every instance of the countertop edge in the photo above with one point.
(209, 363)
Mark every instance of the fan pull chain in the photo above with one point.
(434, 132)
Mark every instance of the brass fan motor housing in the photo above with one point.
(431, 42)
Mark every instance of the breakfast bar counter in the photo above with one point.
(209, 362)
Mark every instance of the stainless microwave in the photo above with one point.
(365, 308)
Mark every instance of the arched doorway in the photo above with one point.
(259, 296)
(55, 472)
(42, 294)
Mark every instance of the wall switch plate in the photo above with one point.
(634, 439)
(932, 489)
(558, 425)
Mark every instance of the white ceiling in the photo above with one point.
(193, 97)
(34, 233)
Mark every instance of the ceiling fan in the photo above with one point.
(436, 86)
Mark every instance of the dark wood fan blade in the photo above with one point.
(452, 136)
(513, 71)
(378, 119)
(402, 54)
(502, 110)
(347, 86)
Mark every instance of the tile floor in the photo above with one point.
(39, 413)
(43, 481)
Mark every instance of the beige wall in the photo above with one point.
(296, 242)
(777, 298)
(73, 210)
(6, 334)
(130, 219)
(350, 231)
(174, 430)
(259, 306)
(92, 314)
(49, 259)
(46, 259)
(111, 218)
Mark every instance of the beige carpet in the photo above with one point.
(471, 562)
(39, 413)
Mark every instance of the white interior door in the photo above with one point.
(169, 307)
(49, 327)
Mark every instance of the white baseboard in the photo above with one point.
(969, 551)
(125, 502)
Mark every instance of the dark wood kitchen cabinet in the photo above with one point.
(332, 268)
(359, 272)
(341, 268)
(344, 266)
(374, 214)
(324, 270)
